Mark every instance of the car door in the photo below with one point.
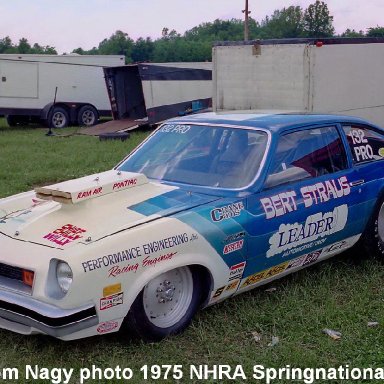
(366, 145)
(309, 205)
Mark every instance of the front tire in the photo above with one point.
(58, 118)
(166, 304)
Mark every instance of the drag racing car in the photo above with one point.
(207, 207)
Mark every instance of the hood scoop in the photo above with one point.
(90, 187)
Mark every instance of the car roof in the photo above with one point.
(274, 122)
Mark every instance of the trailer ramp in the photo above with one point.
(111, 127)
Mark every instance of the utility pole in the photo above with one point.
(246, 21)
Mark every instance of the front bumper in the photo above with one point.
(26, 315)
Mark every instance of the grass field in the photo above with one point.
(342, 294)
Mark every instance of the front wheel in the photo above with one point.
(374, 237)
(166, 304)
(58, 118)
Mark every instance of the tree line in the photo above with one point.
(196, 44)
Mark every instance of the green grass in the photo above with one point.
(342, 294)
(29, 158)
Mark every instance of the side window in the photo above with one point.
(366, 144)
(305, 154)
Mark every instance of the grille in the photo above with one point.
(13, 273)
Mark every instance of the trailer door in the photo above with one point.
(125, 92)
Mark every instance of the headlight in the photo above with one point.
(64, 276)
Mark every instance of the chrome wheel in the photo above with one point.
(59, 118)
(167, 298)
(88, 118)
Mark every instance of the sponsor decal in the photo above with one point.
(301, 261)
(175, 128)
(91, 192)
(117, 270)
(316, 226)
(311, 258)
(253, 279)
(335, 247)
(194, 237)
(123, 184)
(279, 205)
(66, 234)
(310, 245)
(285, 202)
(381, 152)
(227, 212)
(218, 292)
(115, 258)
(236, 271)
(108, 326)
(323, 192)
(133, 253)
(276, 270)
(232, 247)
(296, 262)
(263, 275)
(147, 262)
(111, 301)
(111, 289)
(233, 285)
(169, 242)
(362, 150)
(234, 237)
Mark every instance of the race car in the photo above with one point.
(207, 207)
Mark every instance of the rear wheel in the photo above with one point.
(373, 238)
(58, 118)
(166, 304)
(87, 116)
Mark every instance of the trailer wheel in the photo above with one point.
(58, 118)
(87, 116)
(13, 120)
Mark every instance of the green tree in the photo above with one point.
(285, 23)
(24, 46)
(352, 33)
(6, 45)
(375, 32)
(43, 50)
(143, 50)
(118, 44)
(218, 30)
(317, 20)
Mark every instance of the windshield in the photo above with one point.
(200, 155)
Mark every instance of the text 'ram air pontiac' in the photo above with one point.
(207, 207)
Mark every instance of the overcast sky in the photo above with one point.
(69, 24)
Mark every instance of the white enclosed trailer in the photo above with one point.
(338, 75)
(57, 89)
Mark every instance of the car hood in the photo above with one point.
(91, 208)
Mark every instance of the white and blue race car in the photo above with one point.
(207, 207)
